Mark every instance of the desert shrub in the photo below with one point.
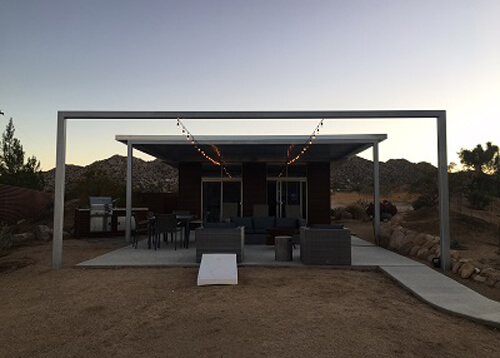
(335, 213)
(478, 199)
(357, 210)
(424, 201)
(387, 210)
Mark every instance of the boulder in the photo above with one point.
(455, 255)
(479, 278)
(414, 250)
(345, 215)
(43, 233)
(420, 239)
(397, 239)
(456, 267)
(467, 270)
(423, 253)
(24, 237)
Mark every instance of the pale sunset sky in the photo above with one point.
(160, 55)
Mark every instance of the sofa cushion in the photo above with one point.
(326, 226)
(219, 225)
(286, 222)
(245, 221)
(261, 223)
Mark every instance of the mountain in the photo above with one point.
(155, 176)
(356, 173)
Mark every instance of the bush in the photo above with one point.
(424, 201)
(478, 199)
(357, 211)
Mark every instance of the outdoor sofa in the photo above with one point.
(256, 227)
(220, 240)
(325, 245)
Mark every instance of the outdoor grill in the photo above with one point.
(101, 212)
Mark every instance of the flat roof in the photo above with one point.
(251, 148)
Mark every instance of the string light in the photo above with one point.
(191, 138)
(305, 147)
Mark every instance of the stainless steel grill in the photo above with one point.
(101, 211)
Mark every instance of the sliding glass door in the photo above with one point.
(287, 197)
(221, 199)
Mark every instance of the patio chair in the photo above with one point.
(138, 228)
(325, 246)
(220, 241)
(229, 210)
(166, 224)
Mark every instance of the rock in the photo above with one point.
(43, 233)
(476, 270)
(431, 258)
(479, 278)
(406, 247)
(428, 244)
(423, 253)
(467, 270)
(464, 260)
(420, 239)
(396, 240)
(491, 281)
(497, 285)
(456, 267)
(414, 250)
(345, 215)
(489, 271)
(24, 237)
(454, 255)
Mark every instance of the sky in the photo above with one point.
(160, 55)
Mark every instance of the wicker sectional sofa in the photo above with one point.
(325, 246)
(220, 241)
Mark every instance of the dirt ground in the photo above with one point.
(160, 312)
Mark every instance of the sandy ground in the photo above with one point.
(303, 312)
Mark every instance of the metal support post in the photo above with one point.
(128, 212)
(57, 238)
(376, 193)
(444, 203)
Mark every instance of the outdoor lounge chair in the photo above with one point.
(325, 246)
(220, 241)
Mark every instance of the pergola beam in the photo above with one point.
(63, 116)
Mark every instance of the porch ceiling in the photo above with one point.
(238, 149)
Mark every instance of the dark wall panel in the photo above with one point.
(254, 186)
(318, 184)
(190, 187)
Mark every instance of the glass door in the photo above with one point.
(221, 200)
(287, 198)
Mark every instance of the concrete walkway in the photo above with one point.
(429, 285)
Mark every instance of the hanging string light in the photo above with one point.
(305, 148)
(191, 138)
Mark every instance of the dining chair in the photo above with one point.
(166, 224)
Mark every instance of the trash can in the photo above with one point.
(283, 248)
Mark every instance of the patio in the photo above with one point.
(365, 255)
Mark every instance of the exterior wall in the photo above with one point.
(190, 187)
(318, 192)
(254, 186)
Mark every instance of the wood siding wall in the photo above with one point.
(190, 187)
(318, 188)
(254, 186)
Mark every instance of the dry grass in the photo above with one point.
(272, 312)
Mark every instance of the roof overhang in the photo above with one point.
(262, 148)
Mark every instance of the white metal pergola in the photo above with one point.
(439, 115)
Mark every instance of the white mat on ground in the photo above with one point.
(218, 269)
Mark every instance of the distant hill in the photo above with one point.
(356, 172)
(155, 176)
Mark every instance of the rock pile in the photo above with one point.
(427, 247)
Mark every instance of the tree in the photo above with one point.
(485, 181)
(481, 160)
(13, 168)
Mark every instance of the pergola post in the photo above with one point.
(444, 203)
(376, 193)
(128, 210)
(57, 240)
